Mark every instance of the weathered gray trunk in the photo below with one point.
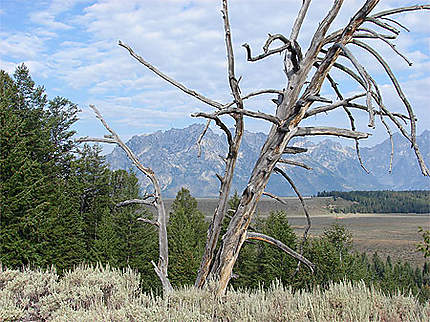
(236, 233)
(216, 223)
(163, 262)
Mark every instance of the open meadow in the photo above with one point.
(393, 234)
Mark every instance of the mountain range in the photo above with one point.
(173, 155)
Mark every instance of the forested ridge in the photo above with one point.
(59, 208)
(417, 201)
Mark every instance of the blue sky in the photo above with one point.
(71, 47)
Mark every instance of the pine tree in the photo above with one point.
(34, 205)
(186, 233)
(274, 262)
(27, 172)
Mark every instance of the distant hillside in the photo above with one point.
(382, 201)
(172, 155)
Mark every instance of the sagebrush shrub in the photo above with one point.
(107, 294)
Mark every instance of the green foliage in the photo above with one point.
(383, 201)
(58, 207)
(187, 236)
(106, 294)
(35, 150)
(424, 246)
(332, 257)
(260, 263)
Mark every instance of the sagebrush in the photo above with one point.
(107, 294)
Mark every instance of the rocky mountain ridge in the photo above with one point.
(173, 156)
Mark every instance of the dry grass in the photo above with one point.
(106, 294)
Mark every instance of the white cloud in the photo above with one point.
(47, 19)
(21, 45)
(74, 44)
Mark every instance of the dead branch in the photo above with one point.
(305, 131)
(95, 140)
(221, 179)
(294, 150)
(333, 84)
(366, 79)
(234, 145)
(372, 36)
(218, 122)
(299, 20)
(263, 91)
(317, 98)
(170, 80)
(149, 221)
(317, 41)
(401, 116)
(399, 10)
(233, 111)
(234, 83)
(393, 80)
(282, 246)
(199, 140)
(271, 195)
(391, 141)
(393, 47)
(396, 22)
(296, 163)
(425, 171)
(326, 108)
(383, 25)
(163, 278)
(263, 55)
(135, 202)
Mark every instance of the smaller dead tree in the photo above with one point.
(155, 200)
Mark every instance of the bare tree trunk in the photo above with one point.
(291, 111)
(234, 145)
(237, 229)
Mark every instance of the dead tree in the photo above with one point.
(154, 200)
(305, 74)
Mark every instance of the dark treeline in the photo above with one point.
(58, 207)
(387, 201)
(58, 200)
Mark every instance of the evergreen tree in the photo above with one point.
(187, 235)
(275, 263)
(260, 263)
(91, 179)
(29, 176)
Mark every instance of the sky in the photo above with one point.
(71, 47)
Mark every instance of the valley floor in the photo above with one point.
(394, 234)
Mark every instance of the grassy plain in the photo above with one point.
(388, 234)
